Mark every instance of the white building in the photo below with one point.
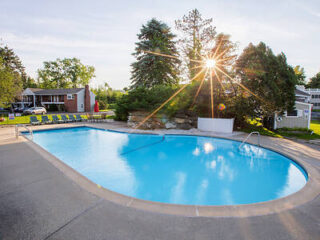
(298, 118)
(314, 95)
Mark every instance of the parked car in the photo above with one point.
(4, 111)
(20, 107)
(35, 110)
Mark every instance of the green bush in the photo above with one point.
(112, 105)
(102, 104)
(142, 99)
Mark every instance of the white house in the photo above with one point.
(300, 117)
(314, 95)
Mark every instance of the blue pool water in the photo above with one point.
(175, 169)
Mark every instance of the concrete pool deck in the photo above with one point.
(38, 201)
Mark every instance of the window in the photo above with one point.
(81, 105)
(312, 96)
(295, 113)
(70, 96)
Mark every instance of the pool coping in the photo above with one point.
(309, 192)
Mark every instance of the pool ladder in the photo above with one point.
(28, 129)
(246, 139)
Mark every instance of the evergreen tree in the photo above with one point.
(150, 69)
(198, 33)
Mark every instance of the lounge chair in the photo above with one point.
(55, 119)
(79, 118)
(71, 117)
(45, 120)
(65, 119)
(90, 117)
(34, 120)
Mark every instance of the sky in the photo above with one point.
(103, 33)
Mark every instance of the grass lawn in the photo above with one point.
(105, 110)
(254, 125)
(26, 119)
(315, 127)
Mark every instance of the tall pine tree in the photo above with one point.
(150, 69)
(197, 35)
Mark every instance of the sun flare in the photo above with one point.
(210, 63)
(209, 66)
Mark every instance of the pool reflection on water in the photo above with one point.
(176, 169)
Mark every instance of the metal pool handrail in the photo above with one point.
(246, 139)
(28, 129)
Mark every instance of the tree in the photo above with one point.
(269, 78)
(301, 77)
(30, 83)
(314, 81)
(12, 61)
(10, 85)
(197, 33)
(65, 73)
(150, 70)
(200, 102)
(106, 96)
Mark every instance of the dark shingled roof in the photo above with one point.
(299, 92)
(62, 91)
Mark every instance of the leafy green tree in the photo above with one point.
(314, 81)
(30, 83)
(301, 77)
(269, 78)
(65, 73)
(198, 33)
(149, 69)
(10, 85)
(101, 96)
(106, 96)
(12, 61)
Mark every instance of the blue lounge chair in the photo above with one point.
(34, 120)
(79, 118)
(71, 117)
(45, 120)
(65, 119)
(55, 119)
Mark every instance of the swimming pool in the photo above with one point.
(177, 169)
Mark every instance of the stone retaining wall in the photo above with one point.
(158, 121)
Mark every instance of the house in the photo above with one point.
(314, 96)
(298, 118)
(67, 99)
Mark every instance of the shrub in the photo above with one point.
(144, 99)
